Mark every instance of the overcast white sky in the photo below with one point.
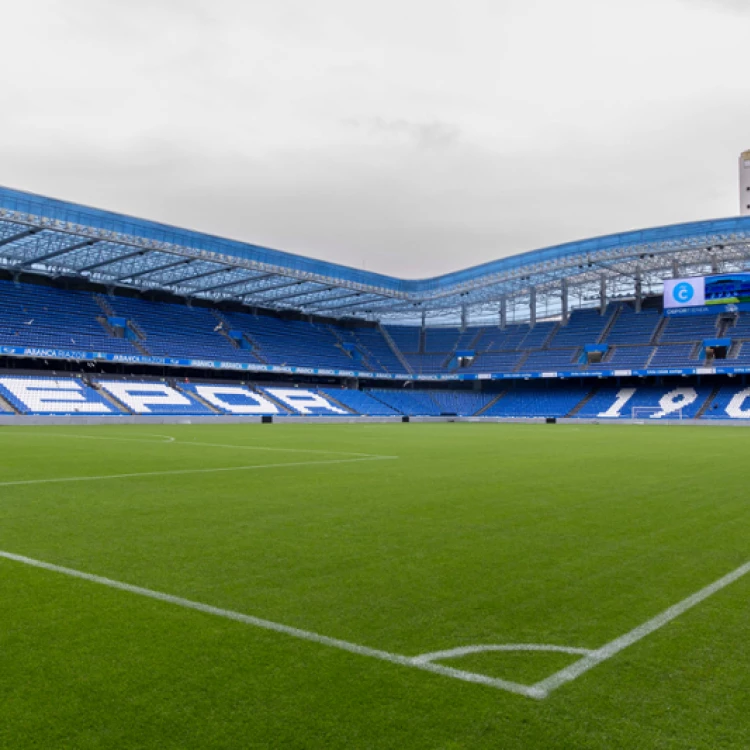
(412, 137)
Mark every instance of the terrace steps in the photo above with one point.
(488, 406)
(657, 332)
(581, 404)
(103, 303)
(396, 351)
(107, 396)
(195, 397)
(5, 405)
(328, 397)
(708, 402)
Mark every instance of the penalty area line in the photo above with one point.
(178, 472)
(305, 635)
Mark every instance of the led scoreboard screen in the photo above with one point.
(707, 294)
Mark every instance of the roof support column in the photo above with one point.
(638, 290)
(564, 301)
(532, 306)
(675, 270)
(464, 318)
(602, 294)
(715, 265)
(503, 312)
(424, 319)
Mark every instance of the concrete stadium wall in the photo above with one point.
(26, 421)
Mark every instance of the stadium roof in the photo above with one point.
(59, 239)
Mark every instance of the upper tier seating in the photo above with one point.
(43, 317)
(675, 355)
(178, 330)
(630, 327)
(49, 318)
(690, 328)
(584, 327)
(626, 357)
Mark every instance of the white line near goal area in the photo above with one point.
(426, 662)
(178, 472)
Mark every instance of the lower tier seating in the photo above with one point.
(78, 396)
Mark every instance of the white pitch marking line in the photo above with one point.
(167, 438)
(176, 472)
(455, 653)
(609, 650)
(286, 450)
(306, 635)
(170, 439)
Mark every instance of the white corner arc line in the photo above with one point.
(306, 635)
(178, 472)
(456, 653)
(624, 641)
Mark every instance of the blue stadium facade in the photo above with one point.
(575, 330)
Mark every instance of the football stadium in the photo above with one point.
(253, 499)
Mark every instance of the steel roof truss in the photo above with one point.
(149, 271)
(203, 275)
(61, 251)
(235, 282)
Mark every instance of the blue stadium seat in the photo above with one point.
(54, 396)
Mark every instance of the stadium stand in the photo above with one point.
(59, 396)
(611, 402)
(729, 402)
(584, 327)
(538, 402)
(629, 327)
(462, 403)
(304, 401)
(138, 397)
(231, 399)
(406, 401)
(51, 318)
(46, 317)
(359, 402)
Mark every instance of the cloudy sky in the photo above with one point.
(411, 137)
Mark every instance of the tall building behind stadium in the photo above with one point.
(108, 317)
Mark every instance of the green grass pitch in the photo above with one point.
(474, 534)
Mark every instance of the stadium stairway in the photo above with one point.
(284, 409)
(6, 406)
(396, 351)
(704, 408)
(328, 396)
(103, 303)
(610, 325)
(489, 405)
(195, 396)
(119, 406)
(574, 411)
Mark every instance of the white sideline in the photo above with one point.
(614, 647)
(425, 662)
(170, 439)
(305, 635)
(177, 472)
